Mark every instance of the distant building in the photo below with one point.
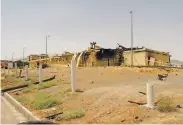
(98, 56)
(147, 57)
(43, 56)
(4, 64)
(32, 57)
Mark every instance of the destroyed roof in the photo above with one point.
(66, 53)
(33, 55)
(146, 49)
(126, 49)
(43, 54)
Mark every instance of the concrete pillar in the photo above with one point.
(40, 73)
(4, 70)
(73, 75)
(26, 72)
(79, 58)
(16, 69)
(20, 72)
(150, 95)
(8, 70)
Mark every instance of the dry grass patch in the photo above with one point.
(28, 89)
(43, 100)
(166, 104)
(47, 84)
(71, 114)
(65, 90)
(24, 100)
(62, 81)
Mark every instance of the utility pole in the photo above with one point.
(47, 43)
(23, 56)
(12, 56)
(46, 46)
(131, 38)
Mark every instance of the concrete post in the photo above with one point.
(73, 75)
(16, 69)
(8, 70)
(40, 73)
(4, 70)
(20, 72)
(150, 95)
(26, 72)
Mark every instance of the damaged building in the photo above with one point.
(147, 57)
(98, 56)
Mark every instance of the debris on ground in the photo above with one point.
(91, 82)
(162, 77)
(178, 106)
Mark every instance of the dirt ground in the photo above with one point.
(107, 91)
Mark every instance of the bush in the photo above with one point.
(28, 89)
(71, 114)
(44, 100)
(24, 100)
(123, 65)
(165, 104)
(65, 90)
(79, 90)
(44, 104)
(47, 84)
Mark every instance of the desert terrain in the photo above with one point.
(103, 93)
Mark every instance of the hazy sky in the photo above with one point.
(73, 24)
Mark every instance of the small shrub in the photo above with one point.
(28, 89)
(65, 90)
(79, 90)
(71, 114)
(123, 65)
(165, 104)
(24, 100)
(141, 70)
(18, 81)
(44, 104)
(47, 84)
(44, 100)
(71, 94)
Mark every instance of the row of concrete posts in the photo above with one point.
(149, 86)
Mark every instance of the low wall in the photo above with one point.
(21, 108)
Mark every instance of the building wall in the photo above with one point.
(33, 57)
(93, 61)
(61, 60)
(160, 58)
(138, 58)
(34, 64)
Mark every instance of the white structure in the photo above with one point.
(26, 72)
(16, 69)
(40, 74)
(74, 57)
(73, 75)
(150, 95)
(10, 65)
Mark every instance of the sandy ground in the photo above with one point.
(108, 90)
